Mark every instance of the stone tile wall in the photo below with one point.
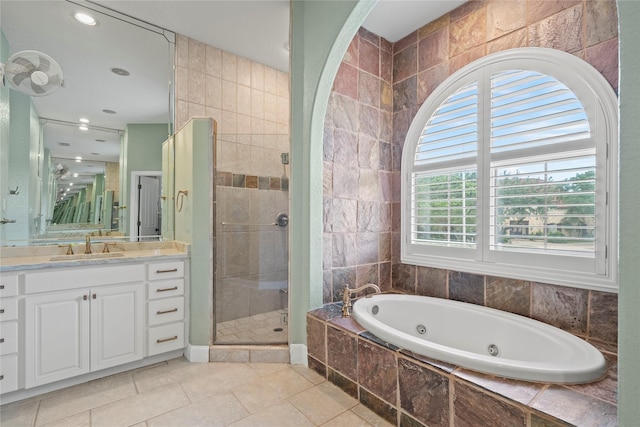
(411, 390)
(356, 213)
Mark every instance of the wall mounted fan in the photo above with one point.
(32, 72)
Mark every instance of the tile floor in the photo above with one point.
(263, 328)
(178, 393)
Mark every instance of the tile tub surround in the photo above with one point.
(412, 390)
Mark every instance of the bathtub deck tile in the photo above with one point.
(576, 408)
(369, 336)
(520, 391)
(328, 311)
(607, 387)
(447, 367)
(348, 324)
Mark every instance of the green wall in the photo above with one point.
(4, 132)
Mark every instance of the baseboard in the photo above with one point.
(197, 353)
(298, 354)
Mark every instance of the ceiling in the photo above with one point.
(256, 29)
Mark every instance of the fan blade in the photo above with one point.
(37, 89)
(54, 80)
(25, 63)
(44, 64)
(18, 78)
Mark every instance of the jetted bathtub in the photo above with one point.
(480, 338)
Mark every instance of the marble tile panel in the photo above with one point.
(405, 63)
(342, 352)
(424, 393)
(439, 365)
(386, 45)
(509, 295)
(378, 406)
(257, 75)
(576, 408)
(197, 88)
(368, 218)
(466, 9)
(396, 158)
(213, 61)
(368, 89)
(562, 307)
(434, 26)
(345, 113)
(603, 316)
(466, 57)
(386, 63)
(386, 125)
(351, 55)
(347, 323)
(367, 35)
(369, 57)
(430, 79)
(197, 58)
(384, 247)
(474, 408)
(385, 156)
(605, 388)
(467, 32)
(224, 355)
(403, 277)
(346, 81)
(368, 181)
(343, 383)
(604, 58)
(368, 152)
(367, 273)
(431, 282)
(395, 246)
(562, 31)
(504, 18)
(345, 181)
(270, 80)
(384, 272)
(345, 147)
(466, 287)
(386, 96)
(166, 374)
(140, 407)
(539, 421)
(182, 51)
(327, 145)
(433, 49)
(601, 21)
(229, 66)
(369, 120)
(221, 410)
(368, 336)
(213, 91)
(401, 122)
(328, 311)
(282, 414)
(537, 10)
(509, 41)
(381, 361)
(243, 101)
(318, 367)
(182, 84)
(405, 42)
(385, 186)
(322, 402)
(386, 216)
(344, 250)
(327, 283)
(344, 215)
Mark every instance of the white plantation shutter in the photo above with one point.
(509, 174)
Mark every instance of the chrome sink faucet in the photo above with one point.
(346, 296)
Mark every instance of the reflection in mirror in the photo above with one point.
(117, 85)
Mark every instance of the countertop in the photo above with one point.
(39, 257)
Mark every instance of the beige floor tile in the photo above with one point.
(220, 378)
(347, 419)
(309, 374)
(19, 414)
(322, 402)
(370, 416)
(282, 414)
(140, 407)
(220, 410)
(270, 389)
(173, 372)
(83, 419)
(264, 369)
(82, 397)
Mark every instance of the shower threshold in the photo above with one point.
(264, 328)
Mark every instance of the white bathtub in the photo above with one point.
(465, 334)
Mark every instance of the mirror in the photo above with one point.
(118, 76)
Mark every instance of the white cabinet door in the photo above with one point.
(117, 325)
(57, 336)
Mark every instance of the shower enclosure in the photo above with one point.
(252, 249)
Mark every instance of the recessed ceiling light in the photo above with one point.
(71, 184)
(83, 120)
(75, 175)
(85, 18)
(119, 71)
(83, 127)
(78, 159)
(109, 111)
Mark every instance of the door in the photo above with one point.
(57, 325)
(148, 207)
(117, 325)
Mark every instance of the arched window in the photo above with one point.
(510, 169)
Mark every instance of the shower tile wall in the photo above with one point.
(364, 136)
(250, 103)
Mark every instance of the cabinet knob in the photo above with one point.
(175, 288)
(172, 270)
(1, 340)
(173, 338)
(94, 296)
(1, 287)
(84, 297)
(167, 311)
(1, 310)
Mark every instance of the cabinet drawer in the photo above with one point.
(8, 285)
(165, 288)
(165, 338)
(8, 373)
(8, 337)
(78, 278)
(166, 310)
(166, 270)
(8, 309)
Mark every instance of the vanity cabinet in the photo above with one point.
(8, 333)
(94, 327)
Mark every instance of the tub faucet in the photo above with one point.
(346, 296)
(87, 245)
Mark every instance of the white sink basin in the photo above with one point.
(86, 256)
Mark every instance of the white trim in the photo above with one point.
(298, 354)
(590, 87)
(133, 201)
(197, 353)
